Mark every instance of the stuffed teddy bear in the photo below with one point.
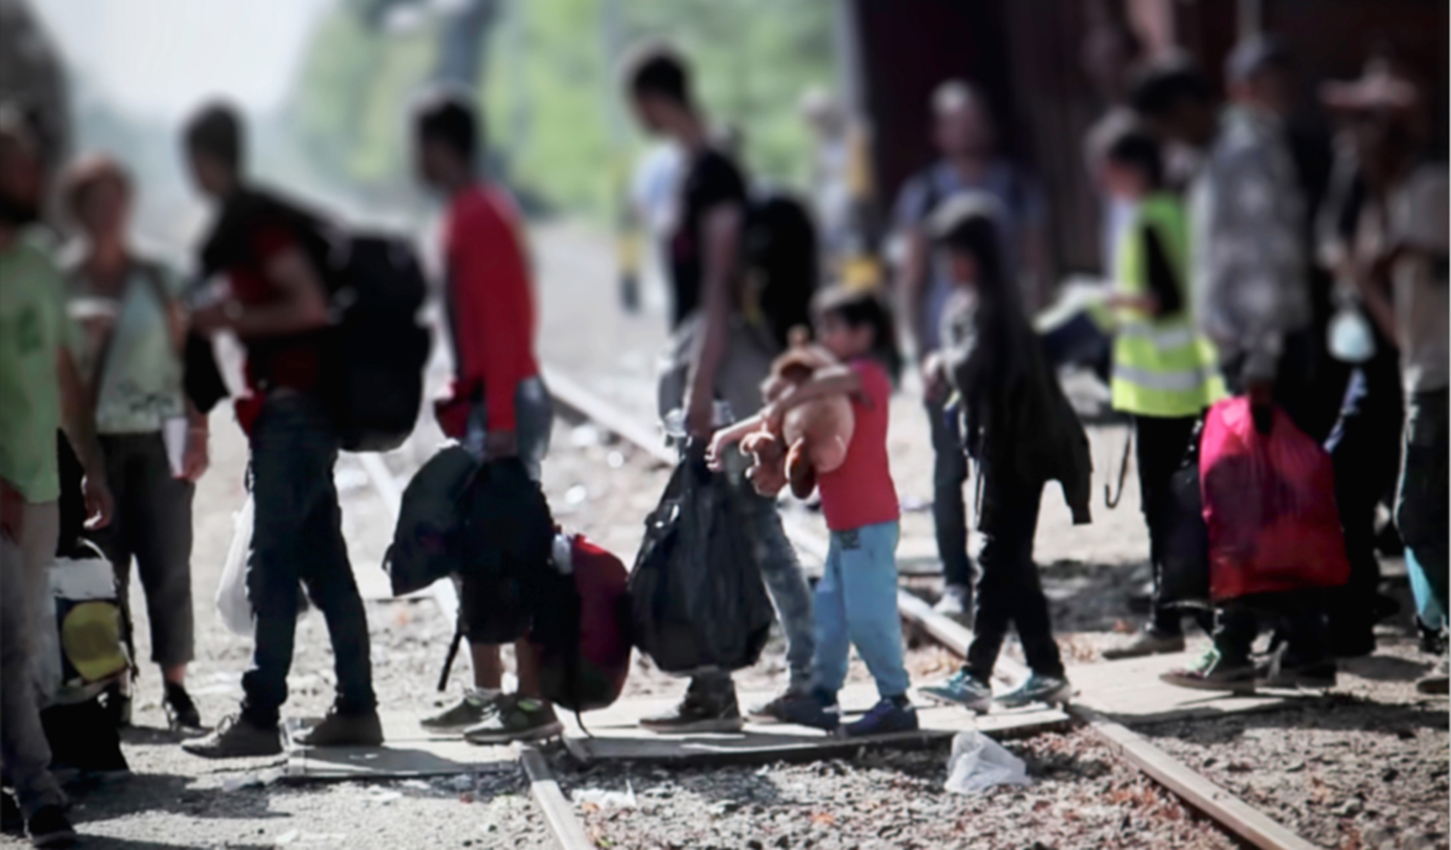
(813, 436)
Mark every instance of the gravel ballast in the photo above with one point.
(1081, 797)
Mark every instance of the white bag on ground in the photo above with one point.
(978, 763)
(232, 601)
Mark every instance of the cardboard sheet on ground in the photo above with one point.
(615, 733)
(1131, 692)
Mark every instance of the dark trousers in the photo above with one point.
(1365, 447)
(1159, 446)
(152, 524)
(949, 509)
(298, 536)
(1008, 589)
(1421, 503)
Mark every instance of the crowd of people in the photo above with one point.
(1214, 236)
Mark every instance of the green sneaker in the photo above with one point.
(1210, 672)
(963, 689)
(516, 718)
(470, 711)
(1050, 690)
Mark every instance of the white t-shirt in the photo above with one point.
(1417, 219)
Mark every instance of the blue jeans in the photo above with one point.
(949, 508)
(298, 536)
(856, 603)
(1422, 495)
(533, 425)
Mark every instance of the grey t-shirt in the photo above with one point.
(1417, 219)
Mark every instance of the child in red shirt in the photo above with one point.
(856, 599)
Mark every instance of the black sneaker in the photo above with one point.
(49, 827)
(699, 712)
(886, 717)
(345, 729)
(516, 719)
(1283, 672)
(237, 737)
(770, 711)
(818, 709)
(181, 713)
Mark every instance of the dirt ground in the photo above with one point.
(1366, 767)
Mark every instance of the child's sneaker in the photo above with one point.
(816, 709)
(1052, 690)
(963, 689)
(887, 716)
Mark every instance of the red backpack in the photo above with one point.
(1269, 504)
(581, 635)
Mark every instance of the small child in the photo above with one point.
(1019, 430)
(856, 599)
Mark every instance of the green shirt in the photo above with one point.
(142, 384)
(33, 327)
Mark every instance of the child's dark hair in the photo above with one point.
(864, 307)
(1137, 149)
(449, 117)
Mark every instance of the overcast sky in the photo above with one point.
(163, 57)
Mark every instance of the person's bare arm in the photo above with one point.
(726, 437)
(301, 305)
(79, 423)
(837, 380)
(722, 230)
(911, 283)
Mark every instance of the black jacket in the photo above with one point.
(1016, 422)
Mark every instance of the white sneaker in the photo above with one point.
(956, 602)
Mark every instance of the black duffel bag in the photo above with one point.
(696, 597)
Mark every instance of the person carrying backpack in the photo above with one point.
(499, 406)
(136, 327)
(718, 357)
(277, 304)
(856, 599)
(1020, 431)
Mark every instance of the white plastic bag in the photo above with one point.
(233, 604)
(232, 601)
(978, 763)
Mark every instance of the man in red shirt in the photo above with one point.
(499, 407)
(277, 305)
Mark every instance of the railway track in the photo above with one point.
(1215, 802)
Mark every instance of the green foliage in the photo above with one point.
(554, 114)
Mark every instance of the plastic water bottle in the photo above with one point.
(675, 419)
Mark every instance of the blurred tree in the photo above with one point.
(548, 87)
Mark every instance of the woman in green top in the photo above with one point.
(1165, 373)
(154, 441)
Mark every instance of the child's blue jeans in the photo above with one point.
(856, 603)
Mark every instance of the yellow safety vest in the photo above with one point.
(1161, 366)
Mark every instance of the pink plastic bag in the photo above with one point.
(1269, 503)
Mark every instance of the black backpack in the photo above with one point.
(375, 351)
(779, 253)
